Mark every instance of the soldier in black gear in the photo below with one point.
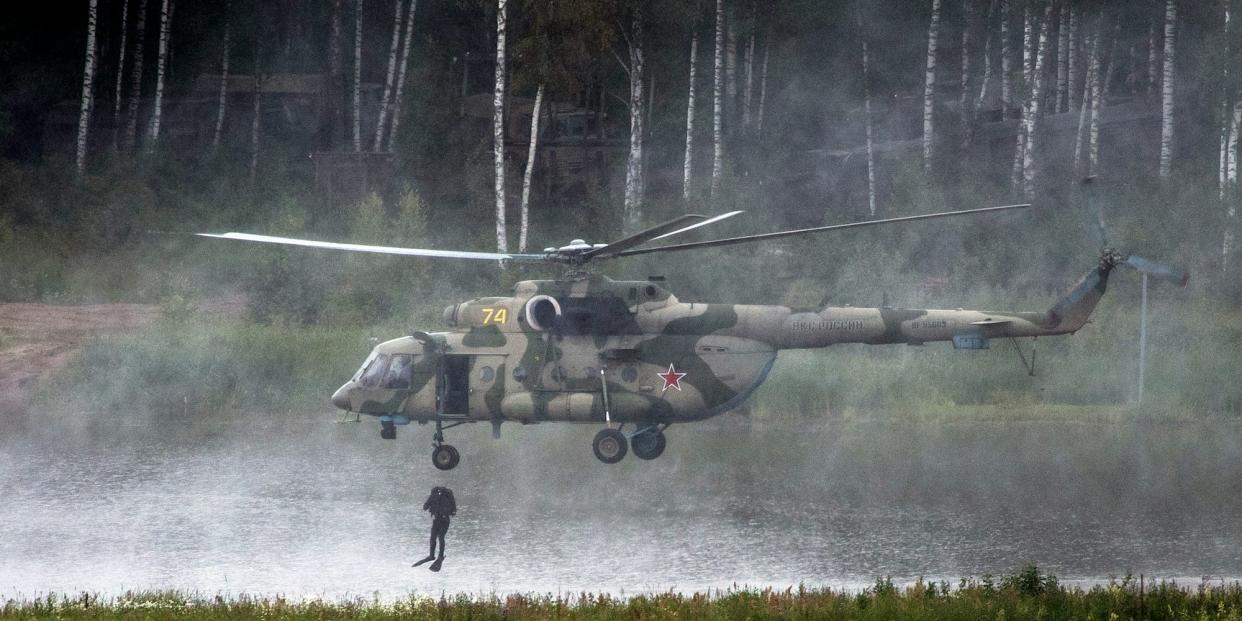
(441, 506)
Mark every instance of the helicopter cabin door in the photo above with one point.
(453, 386)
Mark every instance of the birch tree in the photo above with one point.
(1085, 109)
(334, 88)
(1231, 203)
(717, 78)
(1153, 67)
(688, 165)
(750, 67)
(530, 168)
(730, 110)
(1062, 93)
(498, 125)
(405, 58)
(357, 103)
(1097, 98)
(987, 70)
(634, 164)
(135, 77)
(866, 77)
(967, 18)
(929, 88)
(120, 73)
(1006, 59)
(390, 76)
(257, 119)
(88, 81)
(1032, 110)
(763, 81)
(1028, 57)
(161, 60)
(1166, 87)
(1073, 99)
(224, 79)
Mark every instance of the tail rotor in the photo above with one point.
(1154, 269)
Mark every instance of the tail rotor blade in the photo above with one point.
(1101, 231)
(1159, 270)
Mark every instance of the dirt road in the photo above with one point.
(38, 339)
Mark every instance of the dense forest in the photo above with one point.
(125, 125)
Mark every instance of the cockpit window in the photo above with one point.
(399, 372)
(363, 367)
(371, 376)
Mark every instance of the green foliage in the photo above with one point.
(970, 601)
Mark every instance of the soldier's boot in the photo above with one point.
(426, 560)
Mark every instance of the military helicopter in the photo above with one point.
(584, 348)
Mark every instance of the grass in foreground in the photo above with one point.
(1024, 595)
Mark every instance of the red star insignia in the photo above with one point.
(672, 379)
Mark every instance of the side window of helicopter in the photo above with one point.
(371, 377)
(398, 377)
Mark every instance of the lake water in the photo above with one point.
(297, 505)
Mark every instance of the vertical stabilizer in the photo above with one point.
(1072, 310)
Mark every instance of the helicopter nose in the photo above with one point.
(340, 398)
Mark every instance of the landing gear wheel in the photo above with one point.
(445, 457)
(648, 444)
(609, 446)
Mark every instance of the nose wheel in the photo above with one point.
(445, 457)
(648, 443)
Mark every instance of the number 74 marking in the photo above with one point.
(495, 315)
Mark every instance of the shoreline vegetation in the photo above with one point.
(1024, 594)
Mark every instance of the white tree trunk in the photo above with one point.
(405, 57)
(357, 103)
(929, 88)
(763, 82)
(1153, 70)
(88, 90)
(988, 72)
(1074, 98)
(256, 121)
(749, 90)
(866, 66)
(1232, 196)
(390, 75)
(730, 72)
(120, 73)
(1034, 100)
(634, 164)
(717, 112)
(1166, 108)
(688, 166)
(1028, 47)
(1060, 104)
(530, 169)
(1231, 168)
(161, 60)
(1006, 60)
(964, 103)
(1097, 102)
(224, 80)
(135, 77)
(498, 125)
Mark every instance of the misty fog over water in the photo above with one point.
(310, 508)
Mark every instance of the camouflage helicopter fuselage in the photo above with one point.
(588, 349)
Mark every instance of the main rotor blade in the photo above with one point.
(779, 234)
(416, 252)
(1159, 270)
(659, 231)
